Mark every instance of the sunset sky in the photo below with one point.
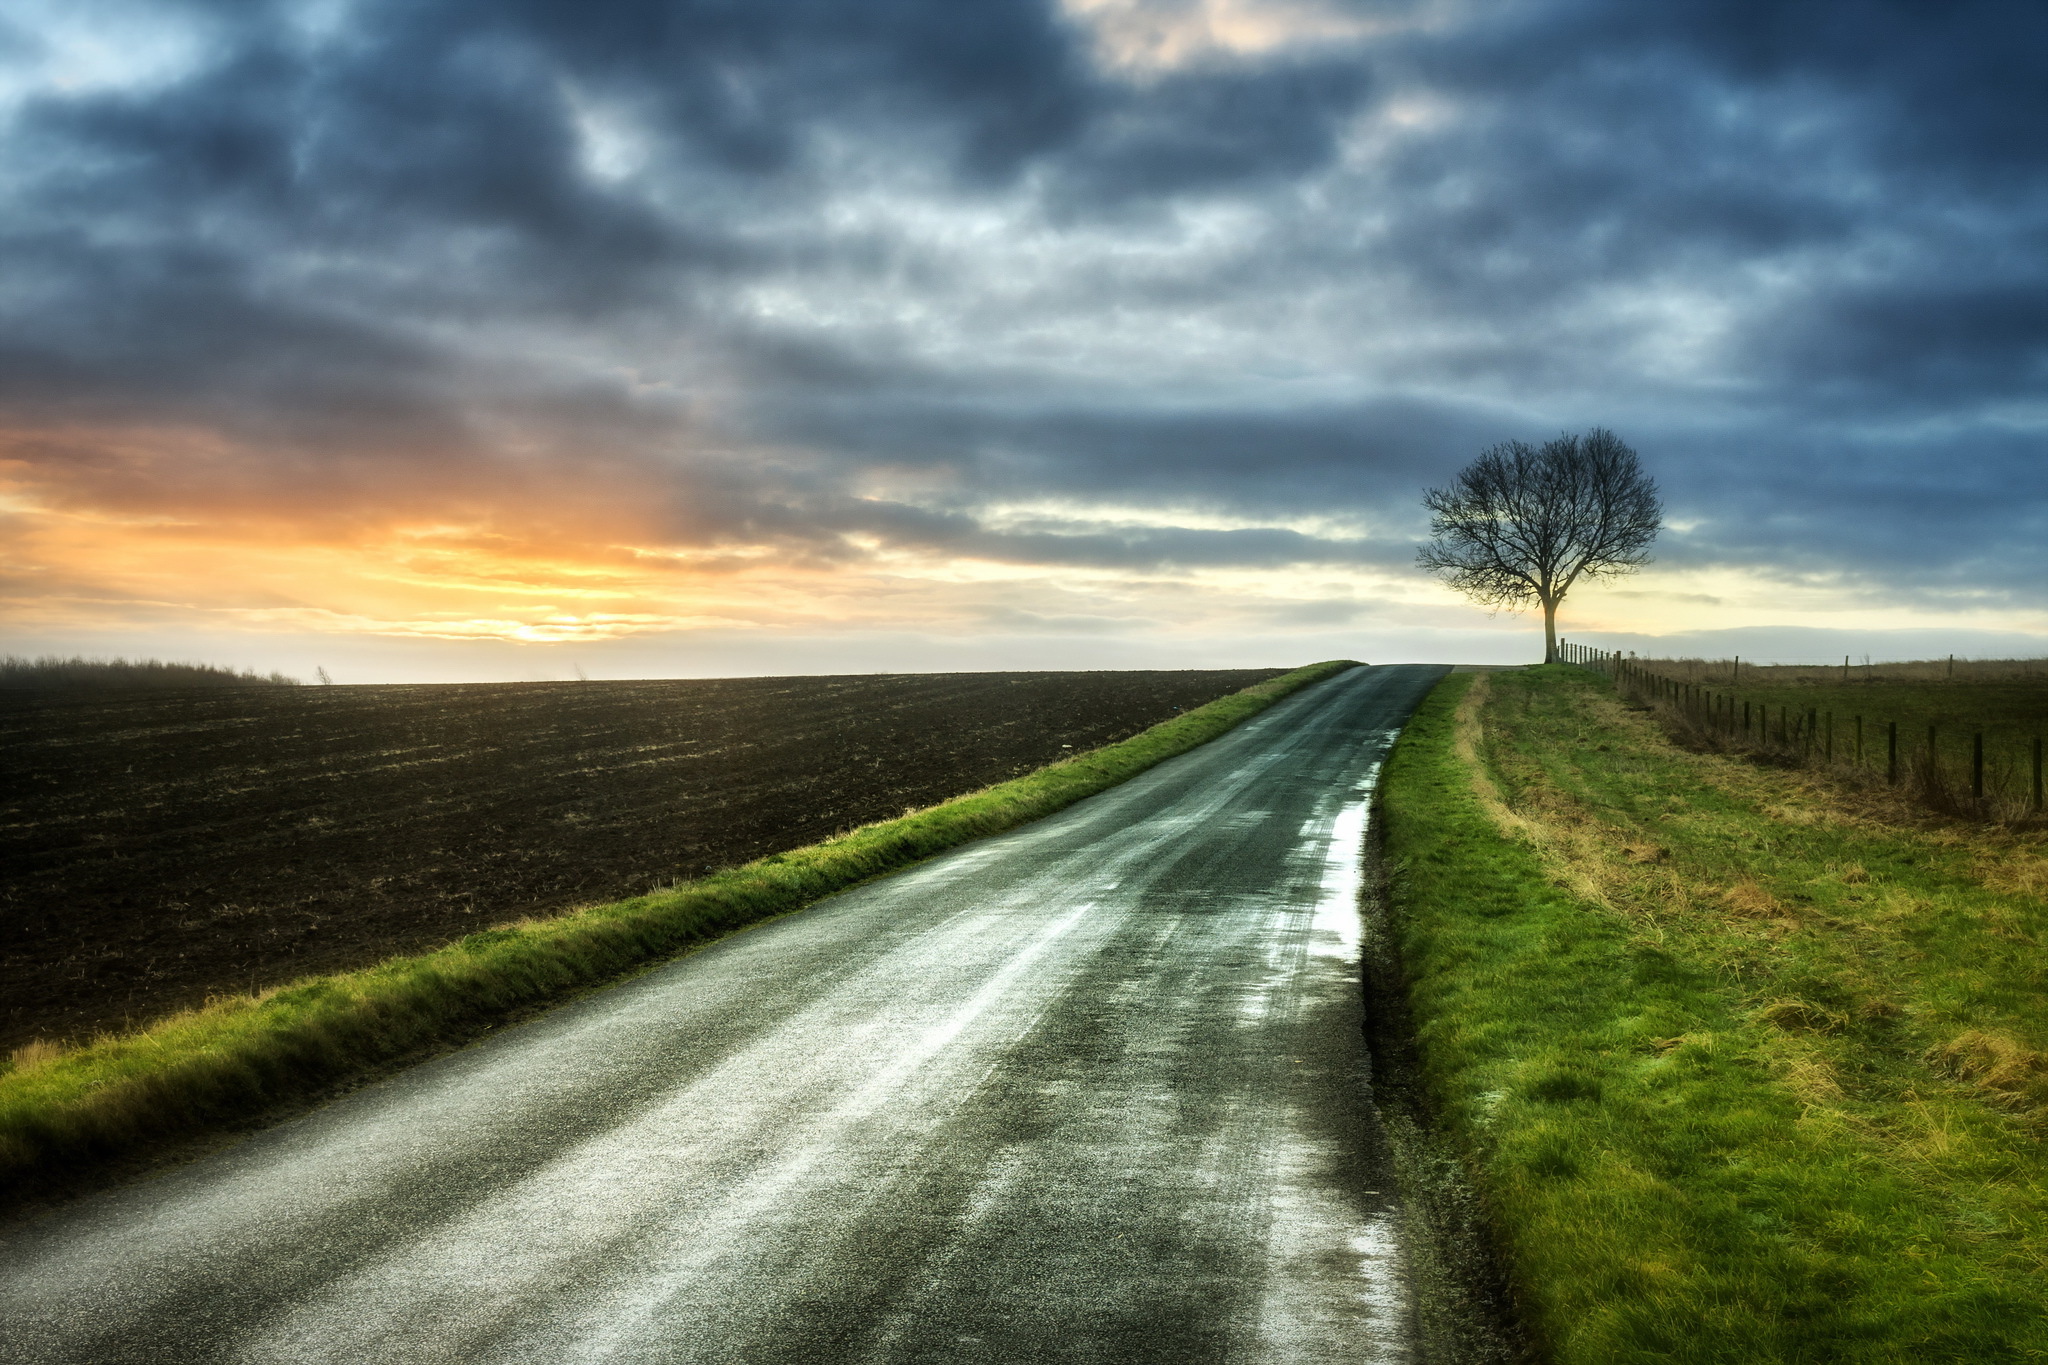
(451, 339)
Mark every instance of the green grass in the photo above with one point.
(2008, 714)
(2010, 711)
(242, 1056)
(1743, 1076)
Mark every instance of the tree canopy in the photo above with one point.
(1524, 523)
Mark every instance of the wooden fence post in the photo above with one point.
(1859, 741)
(1977, 765)
(2037, 774)
(1891, 754)
(1831, 737)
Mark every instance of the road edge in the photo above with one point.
(1464, 1305)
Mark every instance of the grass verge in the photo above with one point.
(240, 1056)
(1742, 1072)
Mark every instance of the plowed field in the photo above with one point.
(156, 848)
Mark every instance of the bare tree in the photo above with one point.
(1524, 524)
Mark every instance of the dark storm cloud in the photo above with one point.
(743, 81)
(1267, 462)
(1910, 518)
(1053, 540)
(1889, 155)
(1215, 128)
(1922, 340)
(1796, 252)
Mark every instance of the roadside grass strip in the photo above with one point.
(1743, 1073)
(241, 1056)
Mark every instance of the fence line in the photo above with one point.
(1807, 735)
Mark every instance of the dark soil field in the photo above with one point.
(159, 847)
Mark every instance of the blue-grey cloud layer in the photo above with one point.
(780, 249)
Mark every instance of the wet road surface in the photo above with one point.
(1094, 1090)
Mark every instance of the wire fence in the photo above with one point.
(1947, 764)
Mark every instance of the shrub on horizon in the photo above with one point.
(54, 674)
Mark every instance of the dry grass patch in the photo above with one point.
(38, 1052)
(2014, 1074)
(1803, 1015)
(1747, 900)
(1812, 1079)
(2015, 869)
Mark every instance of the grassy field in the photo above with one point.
(242, 1055)
(2006, 702)
(2010, 716)
(1917, 672)
(1745, 1072)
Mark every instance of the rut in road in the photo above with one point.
(1095, 1090)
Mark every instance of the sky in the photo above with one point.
(521, 339)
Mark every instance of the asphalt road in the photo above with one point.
(1091, 1091)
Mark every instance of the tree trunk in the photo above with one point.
(1550, 630)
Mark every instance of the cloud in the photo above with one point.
(1150, 37)
(798, 295)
